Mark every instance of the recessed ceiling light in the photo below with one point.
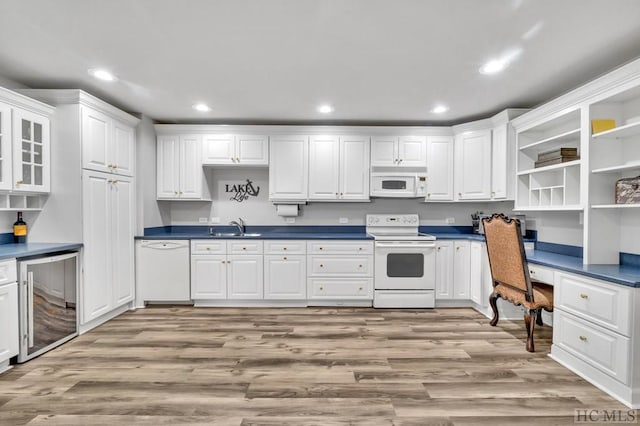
(201, 107)
(494, 66)
(102, 74)
(439, 109)
(325, 109)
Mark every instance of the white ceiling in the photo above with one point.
(275, 61)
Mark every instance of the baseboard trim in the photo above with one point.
(104, 318)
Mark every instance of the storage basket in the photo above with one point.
(628, 190)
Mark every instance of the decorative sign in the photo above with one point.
(242, 191)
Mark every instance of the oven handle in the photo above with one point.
(396, 245)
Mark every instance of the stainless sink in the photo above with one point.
(235, 234)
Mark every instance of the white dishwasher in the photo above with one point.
(162, 270)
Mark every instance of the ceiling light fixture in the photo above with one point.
(201, 107)
(325, 109)
(439, 109)
(494, 66)
(102, 74)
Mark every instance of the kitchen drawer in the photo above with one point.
(540, 273)
(602, 348)
(208, 247)
(605, 304)
(327, 266)
(318, 288)
(8, 272)
(244, 247)
(340, 247)
(285, 247)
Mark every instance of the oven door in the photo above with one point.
(405, 265)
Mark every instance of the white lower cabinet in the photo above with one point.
(208, 277)
(8, 321)
(285, 276)
(244, 276)
(108, 227)
(339, 272)
(461, 269)
(476, 277)
(444, 269)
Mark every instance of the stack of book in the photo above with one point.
(557, 156)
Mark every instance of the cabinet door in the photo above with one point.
(97, 288)
(384, 151)
(461, 269)
(168, 167)
(473, 164)
(444, 269)
(122, 233)
(440, 168)
(123, 149)
(209, 277)
(96, 134)
(285, 277)
(8, 321)
(245, 279)
(252, 150)
(288, 168)
(191, 173)
(31, 152)
(475, 274)
(412, 151)
(354, 168)
(5, 148)
(218, 149)
(499, 162)
(324, 167)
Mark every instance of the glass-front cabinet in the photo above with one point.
(5, 147)
(31, 152)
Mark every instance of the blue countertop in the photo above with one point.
(628, 275)
(9, 251)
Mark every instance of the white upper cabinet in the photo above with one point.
(108, 145)
(179, 168)
(339, 168)
(288, 168)
(440, 168)
(5, 147)
(31, 168)
(324, 168)
(354, 168)
(500, 164)
(244, 150)
(404, 151)
(473, 165)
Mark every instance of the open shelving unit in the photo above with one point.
(555, 187)
(21, 202)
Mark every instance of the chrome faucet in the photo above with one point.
(239, 224)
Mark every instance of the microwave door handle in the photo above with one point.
(30, 307)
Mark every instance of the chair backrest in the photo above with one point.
(506, 253)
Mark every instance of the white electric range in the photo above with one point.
(405, 260)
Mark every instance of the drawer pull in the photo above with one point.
(360, 248)
(320, 248)
(208, 248)
(285, 258)
(244, 248)
(321, 265)
(359, 266)
(584, 296)
(321, 288)
(583, 338)
(532, 272)
(360, 288)
(284, 248)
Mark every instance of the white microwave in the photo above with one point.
(398, 185)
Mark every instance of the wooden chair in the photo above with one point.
(510, 274)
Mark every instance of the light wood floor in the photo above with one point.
(169, 366)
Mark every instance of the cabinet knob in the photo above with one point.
(458, 248)
(360, 248)
(400, 161)
(360, 288)
(321, 288)
(244, 248)
(359, 266)
(19, 182)
(459, 194)
(439, 248)
(584, 296)
(583, 338)
(341, 194)
(321, 265)
(284, 248)
(208, 248)
(428, 195)
(320, 248)
(237, 159)
(336, 194)
(175, 192)
(284, 258)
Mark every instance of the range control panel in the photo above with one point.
(392, 220)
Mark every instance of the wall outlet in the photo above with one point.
(215, 220)
(290, 220)
(343, 220)
(450, 220)
(202, 220)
